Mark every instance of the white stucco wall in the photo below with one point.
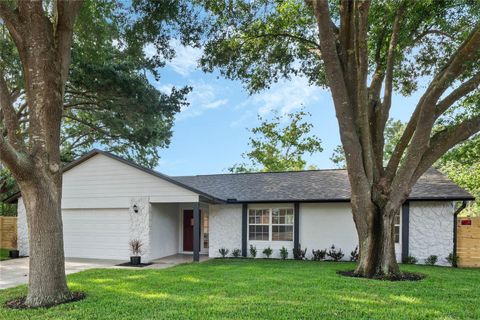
(140, 223)
(225, 222)
(164, 232)
(324, 224)
(22, 229)
(431, 230)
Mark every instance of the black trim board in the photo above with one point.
(405, 227)
(296, 225)
(244, 229)
(196, 231)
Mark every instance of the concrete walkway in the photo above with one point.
(15, 272)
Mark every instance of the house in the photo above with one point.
(107, 201)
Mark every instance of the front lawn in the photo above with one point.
(4, 254)
(266, 289)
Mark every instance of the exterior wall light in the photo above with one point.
(135, 208)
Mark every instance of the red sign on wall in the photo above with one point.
(466, 222)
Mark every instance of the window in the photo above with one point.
(258, 220)
(282, 224)
(205, 231)
(396, 228)
(273, 224)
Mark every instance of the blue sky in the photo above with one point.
(210, 135)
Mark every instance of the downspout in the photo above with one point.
(455, 215)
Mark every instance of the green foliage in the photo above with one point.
(109, 103)
(354, 255)
(7, 188)
(260, 289)
(393, 132)
(267, 252)
(431, 260)
(335, 254)
(452, 259)
(410, 260)
(223, 252)
(276, 146)
(298, 253)
(253, 251)
(236, 253)
(283, 253)
(462, 166)
(319, 255)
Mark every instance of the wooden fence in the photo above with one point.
(8, 232)
(468, 242)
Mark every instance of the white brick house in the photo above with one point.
(107, 201)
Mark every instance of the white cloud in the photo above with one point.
(204, 97)
(283, 97)
(185, 60)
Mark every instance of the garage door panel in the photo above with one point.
(96, 233)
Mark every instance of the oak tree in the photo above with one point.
(279, 144)
(363, 52)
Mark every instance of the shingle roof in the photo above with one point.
(313, 185)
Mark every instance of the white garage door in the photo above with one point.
(96, 233)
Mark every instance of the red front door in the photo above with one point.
(187, 230)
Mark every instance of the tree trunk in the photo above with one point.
(376, 243)
(42, 199)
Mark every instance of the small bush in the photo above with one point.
(298, 253)
(283, 253)
(223, 252)
(431, 260)
(453, 259)
(410, 260)
(136, 247)
(334, 254)
(354, 255)
(236, 253)
(253, 251)
(267, 252)
(319, 255)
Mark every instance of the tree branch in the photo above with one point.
(12, 21)
(420, 125)
(465, 88)
(443, 141)
(9, 114)
(67, 12)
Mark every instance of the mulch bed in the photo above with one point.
(128, 264)
(19, 303)
(404, 276)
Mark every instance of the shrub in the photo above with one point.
(253, 251)
(334, 254)
(267, 252)
(453, 259)
(136, 247)
(431, 260)
(298, 253)
(319, 255)
(354, 255)
(410, 260)
(236, 253)
(283, 253)
(223, 252)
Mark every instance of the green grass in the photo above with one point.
(4, 254)
(261, 289)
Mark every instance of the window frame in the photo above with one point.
(270, 222)
(399, 225)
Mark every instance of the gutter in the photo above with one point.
(455, 215)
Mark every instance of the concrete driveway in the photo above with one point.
(15, 272)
